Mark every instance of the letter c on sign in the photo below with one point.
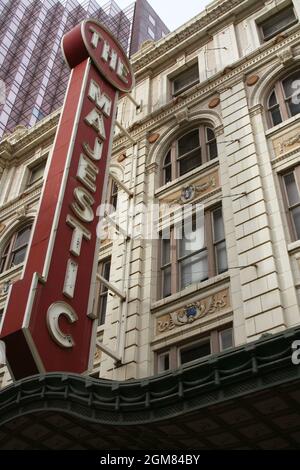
(54, 312)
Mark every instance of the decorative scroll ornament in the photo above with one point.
(188, 193)
(290, 142)
(182, 116)
(286, 55)
(192, 312)
(22, 212)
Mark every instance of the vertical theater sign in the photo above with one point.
(49, 323)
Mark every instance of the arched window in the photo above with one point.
(284, 99)
(189, 152)
(15, 250)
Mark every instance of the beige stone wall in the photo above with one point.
(260, 293)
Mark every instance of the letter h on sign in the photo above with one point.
(48, 323)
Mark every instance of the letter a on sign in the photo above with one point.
(48, 323)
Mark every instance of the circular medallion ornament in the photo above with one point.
(191, 311)
(153, 138)
(252, 80)
(188, 193)
(92, 39)
(214, 102)
(121, 158)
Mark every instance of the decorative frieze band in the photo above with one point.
(193, 312)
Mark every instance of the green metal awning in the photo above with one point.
(246, 398)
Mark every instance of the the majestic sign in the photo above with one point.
(49, 323)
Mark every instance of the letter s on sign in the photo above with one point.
(83, 205)
(54, 312)
(296, 353)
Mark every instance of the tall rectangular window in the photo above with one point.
(103, 291)
(192, 254)
(292, 200)
(36, 173)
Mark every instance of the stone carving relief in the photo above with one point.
(189, 192)
(286, 55)
(193, 312)
(287, 142)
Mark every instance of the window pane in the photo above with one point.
(194, 269)
(291, 189)
(290, 85)
(166, 249)
(188, 142)
(226, 339)
(221, 258)
(272, 100)
(167, 160)
(296, 218)
(192, 240)
(22, 238)
(210, 134)
(218, 225)
(212, 150)
(106, 270)
(168, 174)
(37, 173)
(276, 116)
(2, 264)
(195, 352)
(18, 257)
(278, 22)
(102, 309)
(190, 162)
(294, 106)
(167, 282)
(163, 362)
(187, 78)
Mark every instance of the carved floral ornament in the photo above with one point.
(193, 312)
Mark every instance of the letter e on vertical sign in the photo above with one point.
(48, 323)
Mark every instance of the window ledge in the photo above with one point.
(192, 289)
(294, 247)
(276, 129)
(172, 185)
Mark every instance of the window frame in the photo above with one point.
(175, 158)
(287, 208)
(175, 259)
(279, 31)
(178, 74)
(102, 292)
(32, 168)
(9, 249)
(173, 351)
(282, 101)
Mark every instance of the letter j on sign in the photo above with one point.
(48, 323)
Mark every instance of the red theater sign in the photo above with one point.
(49, 323)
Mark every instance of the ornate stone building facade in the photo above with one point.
(218, 125)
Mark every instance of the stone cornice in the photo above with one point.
(192, 31)
(10, 208)
(217, 83)
(10, 147)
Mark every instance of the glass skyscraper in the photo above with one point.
(31, 64)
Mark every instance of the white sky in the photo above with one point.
(174, 13)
